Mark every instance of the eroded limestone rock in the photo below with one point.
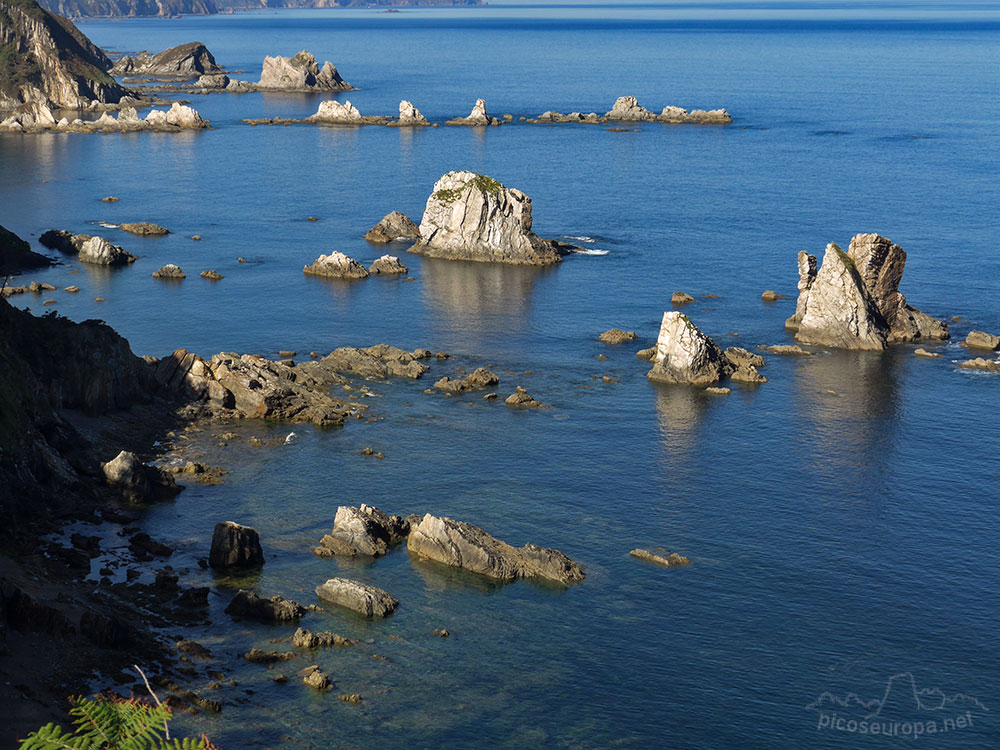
(394, 226)
(359, 597)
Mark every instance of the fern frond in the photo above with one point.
(188, 743)
(53, 737)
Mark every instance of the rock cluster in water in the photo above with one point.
(853, 301)
(364, 531)
(38, 118)
(300, 73)
(627, 109)
(471, 216)
(686, 356)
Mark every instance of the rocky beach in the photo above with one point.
(399, 422)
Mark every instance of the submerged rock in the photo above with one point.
(276, 609)
(853, 300)
(316, 679)
(379, 361)
(359, 597)
(362, 531)
(304, 639)
(786, 349)
(394, 226)
(617, 336)
(387, 265)
(671, 560)
(137, 481)
(336, 265)
(145, 229)
(466, 546)
(235, 546)
(477, 117)
(473, 217)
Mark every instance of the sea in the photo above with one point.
(841, 519)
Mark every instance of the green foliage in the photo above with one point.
(487, 184)
(110, 722)
(449, 196)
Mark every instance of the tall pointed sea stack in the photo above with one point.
(853, 301)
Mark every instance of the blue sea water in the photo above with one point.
(841, 518)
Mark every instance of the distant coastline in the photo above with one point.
(169, 8)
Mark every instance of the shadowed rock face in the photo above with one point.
(46, 60)
(16, 254)
(184, 61)
(394, 226)
(235, 546)
(466, 546)
(853, 300)
(473, 217)
(137, 481)
(276, 609)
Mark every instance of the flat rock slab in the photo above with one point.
(362, 598)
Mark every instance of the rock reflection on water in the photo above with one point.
(680, 409)
(482, 297)
(851, 401)
(439, 577)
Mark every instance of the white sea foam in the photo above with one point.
(579, 239)
(107, 225)
(591, 251)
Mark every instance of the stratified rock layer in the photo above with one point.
(364, 531)
(184, 61)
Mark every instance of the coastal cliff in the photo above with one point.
(45, 59)
(167, 8)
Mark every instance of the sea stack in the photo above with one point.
(471, 216)
(300, 73)
(853, 301)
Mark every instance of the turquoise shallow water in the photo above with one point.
(837, 540)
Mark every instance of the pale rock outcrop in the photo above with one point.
(336, 265)
(303, 638)
(235, 546)
(213, 81)
(300, 73)
(466, 546)
(37, 118)
(394, 226)
(362, 531)
(552, 116)
(185, 61)
(477, 117)
(982, 340)
(169, 271)
(248, 604)
(380, 361)
(853, 300)
(387, 265)
(363, 598)
(312, 676)
(473, 217)
(336, 113)
(137, 481)
(627, 109)
(99, 251)
(681, 298)
(410, 116)
(183, 116)
(670, 560)
(686, 356)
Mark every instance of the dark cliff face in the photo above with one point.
(100, 8)
(46, 59)
(48, 365)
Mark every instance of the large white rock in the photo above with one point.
(336, 265)
(300, 73)
(99, 251)
(685, 355)
(362, 598)
(626, 108)
(333, 111)
(477, 117)
(184, 117)
(410, 115)
(473, 217)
